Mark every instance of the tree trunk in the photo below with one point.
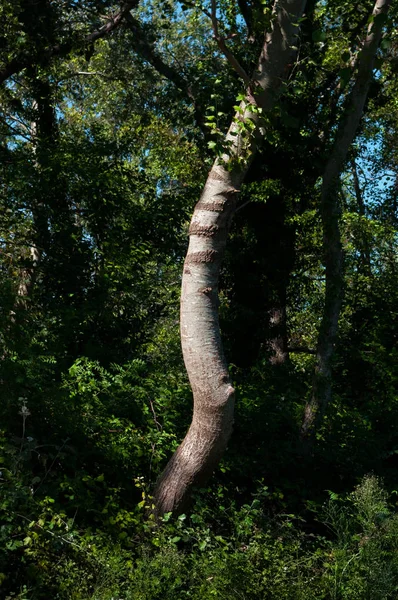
(330, 213)
(259, 257)
(29, 272)
(213, 393)
(42, 136)
(28, 275)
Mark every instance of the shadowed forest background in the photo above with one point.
(110, 119)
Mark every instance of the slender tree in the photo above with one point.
(330, 214)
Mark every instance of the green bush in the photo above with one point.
(73, 535)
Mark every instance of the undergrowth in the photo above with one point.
(219, 552)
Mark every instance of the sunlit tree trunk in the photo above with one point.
(33, 254)
(330, 213)
(213, 393)
(27, 276)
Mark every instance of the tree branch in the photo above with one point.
(27, 59)
(221, 40)
(224, 48)
(145, 49)
(246, 13)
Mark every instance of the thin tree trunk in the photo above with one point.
(28, 275)
(42, 135)
(330, 213)
(213, 393)
(279, 342)
(29, 272)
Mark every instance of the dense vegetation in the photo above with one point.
(109, 127)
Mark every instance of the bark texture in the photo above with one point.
(28, 274)
(207, 368)
(330, 213)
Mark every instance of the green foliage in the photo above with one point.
(213, 553)
(103, 159)
(364, 564)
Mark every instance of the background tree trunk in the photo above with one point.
(330, 213)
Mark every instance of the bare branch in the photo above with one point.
(238, 208)
(221, 40)
(224, 48)
(155, 418)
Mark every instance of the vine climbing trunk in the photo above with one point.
(330, 214)
(213, 393)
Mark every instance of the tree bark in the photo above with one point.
(28, 275)
(213, 393)
(330, 214)
(33, 257)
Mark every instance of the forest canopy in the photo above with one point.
(231, 167)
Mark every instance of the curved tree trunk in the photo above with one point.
(207, 368)
(330, 213)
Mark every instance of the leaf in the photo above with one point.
(289, 120)
(385, 44)
(195, 518)
(345, 75)
(319, 36)
(222, 540)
